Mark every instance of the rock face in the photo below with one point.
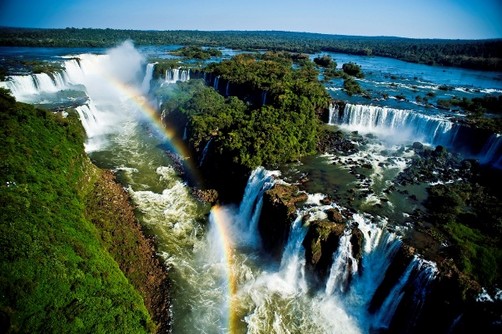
(320, 243)
(206, 195)
(277, 214)
(337, 143)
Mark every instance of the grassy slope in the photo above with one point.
(55, 274)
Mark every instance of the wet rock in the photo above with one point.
(206, 195)
(277, 214)
(335, 216)
(320, 243)
(417, 146)
(367, 166)
(356, 240)
(326, 201)
(336, 143)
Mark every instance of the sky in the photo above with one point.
(453, 19)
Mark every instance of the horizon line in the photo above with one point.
(260, 31)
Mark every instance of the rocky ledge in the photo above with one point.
(277, 214)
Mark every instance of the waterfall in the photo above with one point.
(23, 86)
(171, 76)
(259, 181)
(204, 151)
(379, 249)
(263, 98)
(185, 75)
(333, 114)
(227, 89)
(20, 86)
(492, 151)
(398, 124)
(293, 258)
(418, 276)
(145, 86)
(175, 75)
(216, 82)
(87, 114)
(185, 135)
(343, 267)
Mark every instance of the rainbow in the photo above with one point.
(222, 222)
(221, 219)
(176, 144)
(219, 216)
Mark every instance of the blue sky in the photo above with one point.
(460, 19)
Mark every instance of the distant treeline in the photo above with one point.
(476, 54)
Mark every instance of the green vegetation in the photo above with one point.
(470, 218)
(476, 108)
(477, 105)
(243, 130)
(194, 52)
(353, 69)
(37, 66)
(328, 66)
(351, 87)
(480, 54)
(55, 274)
(348, 72)
(325, 61)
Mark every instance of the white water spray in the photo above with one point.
(397, 125)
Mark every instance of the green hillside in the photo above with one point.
(56, 275)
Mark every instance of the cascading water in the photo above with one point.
(343, 268)
(250, 208)
(175, 75)
(397, 125)
(24, 86)
(492, 151)
(204, 152)
(417, 276)
(145, 86)
(333, 114)
(216, 82)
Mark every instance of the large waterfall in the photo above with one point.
(279, 298)
(112, 93)
(145, 86)
(396, 125)
(399, 126)
(23, 86)
(492, 151)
